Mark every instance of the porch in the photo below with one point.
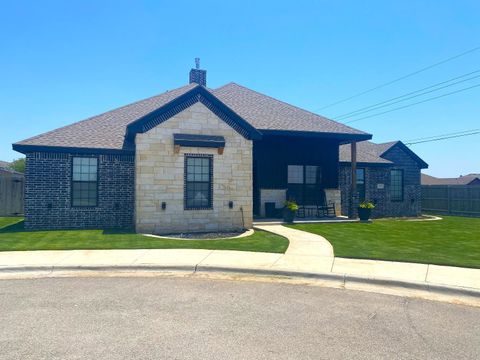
(275, 221)
(304, 169)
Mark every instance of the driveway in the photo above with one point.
(176, 318)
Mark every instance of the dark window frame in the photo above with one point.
(362, 195)
(186, 206)
(402, 185)
(306, 188)
(72, 182)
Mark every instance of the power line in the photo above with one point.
(389, 101)
(436, 136)
(442, 138)
(402, 77)
(412, 104)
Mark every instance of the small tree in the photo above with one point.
(17, 165)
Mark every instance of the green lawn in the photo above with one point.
(14, 237)
(5, 221)
(451, 241)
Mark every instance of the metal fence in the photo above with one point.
(461, 200)
(11, 193)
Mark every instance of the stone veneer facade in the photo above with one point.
(377, 185)
(159, 176)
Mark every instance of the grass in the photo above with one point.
(13, 237)
(453, 241)
(5, 221)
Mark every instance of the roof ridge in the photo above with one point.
(389, 142)
(224, 85)
(288, 104)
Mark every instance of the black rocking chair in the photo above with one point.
(319, 208)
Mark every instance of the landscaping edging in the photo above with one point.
(246, 233)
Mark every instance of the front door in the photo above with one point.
(304, 184)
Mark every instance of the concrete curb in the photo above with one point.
(344, 279)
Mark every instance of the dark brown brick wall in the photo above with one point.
(374, 175)
(48, 193)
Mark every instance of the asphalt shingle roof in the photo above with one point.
(461, 180)
(367, 152)
(266, 113)
(107, 130)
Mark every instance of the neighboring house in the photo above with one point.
(470, 179)
(198, 159)
(4, 164)
(387, 174)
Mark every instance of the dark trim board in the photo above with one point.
(197, 94)
(24, 149)
(366, 164)
(415, 157)
(192, 140)
(343, 138)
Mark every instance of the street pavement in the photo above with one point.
(195, 318)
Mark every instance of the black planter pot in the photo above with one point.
(288, 215)
(364, 214)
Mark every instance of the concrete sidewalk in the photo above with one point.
(308, 255)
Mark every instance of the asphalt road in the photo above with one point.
(185, 318)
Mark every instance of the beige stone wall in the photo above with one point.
(334, 196)
(278, 196)
(160, 177)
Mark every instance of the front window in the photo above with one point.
(361, 184)
(198, 181)
(304, 183)
(295, 174)
(396, 185)
(84, 181)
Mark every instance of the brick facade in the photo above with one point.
(48, 192)
(377, 185)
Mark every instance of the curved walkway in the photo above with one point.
(309, 255)
(315, 249)
(301, 242)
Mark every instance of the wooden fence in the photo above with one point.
(461, 200)
(11, 193)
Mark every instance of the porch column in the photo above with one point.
(352, 213)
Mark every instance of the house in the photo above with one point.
(387, 174)
(202, 159)
(4, 164)
(470, 179)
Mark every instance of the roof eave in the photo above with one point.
(342, 137)
(25, 149)
(415, 157)
(366, 163)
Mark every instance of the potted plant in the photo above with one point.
(365, 210)
(289, 210)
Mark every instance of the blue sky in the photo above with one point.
(63, 61)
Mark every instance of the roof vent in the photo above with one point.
(197, 75)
